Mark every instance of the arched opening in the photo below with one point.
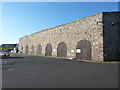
(26, 50)
(39, 50)
(32, 50)
(48, 50)
(83, 50)
(62, 50)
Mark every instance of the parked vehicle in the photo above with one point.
(4, 54)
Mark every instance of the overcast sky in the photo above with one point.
(23, 18)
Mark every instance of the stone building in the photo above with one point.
(96, 37)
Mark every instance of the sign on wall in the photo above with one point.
(78, 50)
(72, 51)
(54, 50)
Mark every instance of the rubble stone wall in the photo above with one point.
(88, 29)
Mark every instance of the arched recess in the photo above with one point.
(39, 50)
(83, 50)
(32, 50)
(21, 51)
(62, 50)
(26, 49)
(48, 50)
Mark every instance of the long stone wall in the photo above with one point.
(83, 39)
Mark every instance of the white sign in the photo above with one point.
(78, 51)
(54, 50)
(72, 51)
(71, 58)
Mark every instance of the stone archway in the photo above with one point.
(39, 50)
(26, 49)
(32, 50)
(48, 50)
(83, 50)
(62, 50)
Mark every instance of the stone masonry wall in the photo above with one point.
(89, 28)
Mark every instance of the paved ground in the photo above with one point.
(23, 71)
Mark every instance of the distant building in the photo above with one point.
(0, 46)
(9, 45)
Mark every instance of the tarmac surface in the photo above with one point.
(25, 71)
